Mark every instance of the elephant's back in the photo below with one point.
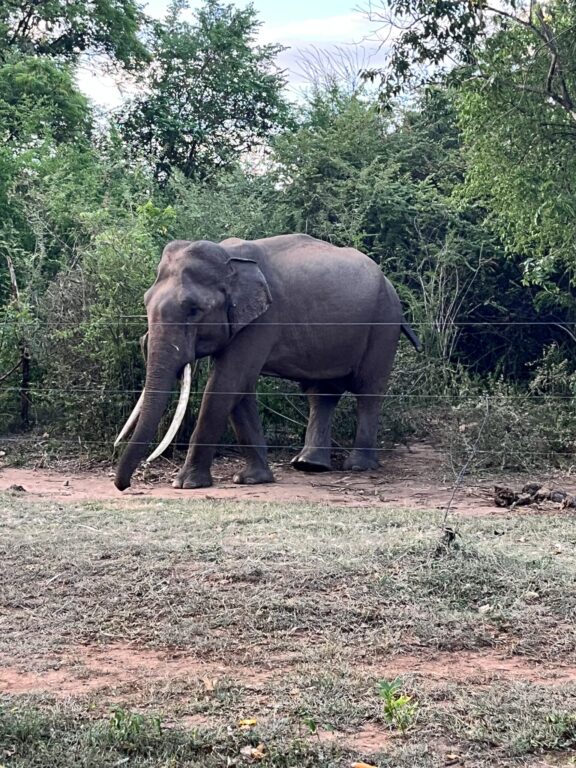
(316, 283)
(321, 270)
(327, 301)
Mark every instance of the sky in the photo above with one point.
(301, 25)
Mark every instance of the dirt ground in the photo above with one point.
(413, 478)
(461, 638)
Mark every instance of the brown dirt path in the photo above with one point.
(412, 478)
(84, 669)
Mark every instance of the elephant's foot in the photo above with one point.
(253, 476)
(361, 461)
(192, 478)
(312, 460)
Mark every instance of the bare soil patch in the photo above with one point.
(411, 478)
(82, 670)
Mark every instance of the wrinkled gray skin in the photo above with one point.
(289, 306)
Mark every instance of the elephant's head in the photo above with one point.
(203, 296)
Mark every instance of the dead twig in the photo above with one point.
(449, 534)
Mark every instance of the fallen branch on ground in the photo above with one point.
(532, 493)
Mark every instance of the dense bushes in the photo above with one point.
(83, 221)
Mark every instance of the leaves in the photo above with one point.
(399, 710)
(211, 94)
(66, 29)
(520, 145)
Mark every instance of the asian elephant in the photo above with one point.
(289, 306)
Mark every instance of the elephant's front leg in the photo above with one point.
(214, 412)
(221, 396)
(250, 435)
(235, 373)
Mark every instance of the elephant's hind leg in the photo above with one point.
(316, 454)
(247, 426)
(369, 388)
(364, 455)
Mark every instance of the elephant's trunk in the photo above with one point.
(160, 378)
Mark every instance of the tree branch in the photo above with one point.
(565, 99)
(11, 371)
(13, 282)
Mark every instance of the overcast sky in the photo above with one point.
(298, 24)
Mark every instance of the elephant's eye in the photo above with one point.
(190, 308)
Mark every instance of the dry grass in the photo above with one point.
(290, 615)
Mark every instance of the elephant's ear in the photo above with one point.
(248, 291)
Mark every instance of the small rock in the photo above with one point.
(531, 488)
(16, 488)
(503, 496)
(485, 608)
(557, 496)
(66, 483)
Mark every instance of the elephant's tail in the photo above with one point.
(407, 331)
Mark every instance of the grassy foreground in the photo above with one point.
(263, 634)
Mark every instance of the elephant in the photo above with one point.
(289, 306)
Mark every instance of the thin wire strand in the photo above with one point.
(471, 456)
(346, 395)
(412, 323)
(238, 448)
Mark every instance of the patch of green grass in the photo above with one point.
(505, 725)
(337, 698)
(518, 719)
(36, 737)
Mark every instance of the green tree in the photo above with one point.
(520, 142)
(514, 67)
(210, 96)
(42, 114)
(68, 28)
(434, 36)
(39, 99)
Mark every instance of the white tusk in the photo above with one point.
(178, 416)
(132, 419)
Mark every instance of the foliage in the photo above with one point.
(463, 197)
(523, 167)
(399, 710)
(65, 30)
(236, 201)
(433, 36)
(516, 82)
(94, 314)
(42, 115)
(38, 98)
(210, 95)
